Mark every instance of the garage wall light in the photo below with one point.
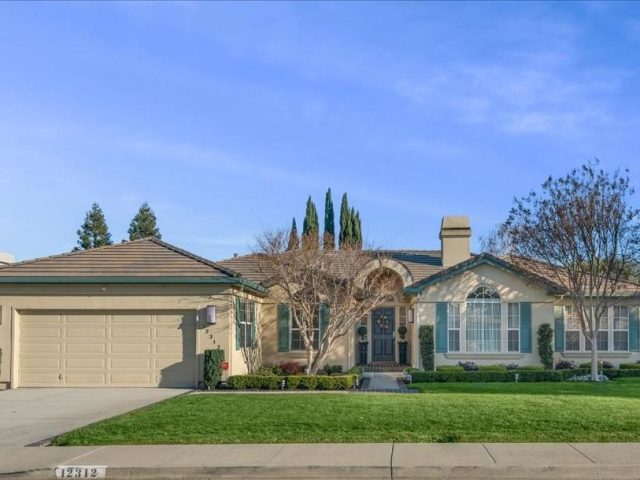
(211, 314)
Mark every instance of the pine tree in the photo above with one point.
(144, 224)
(94, 231)
(329, 239)
(310, 228)
(294, 242)
(344, 221)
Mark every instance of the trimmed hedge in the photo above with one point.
(540, 375)
(292, 382)
(492, 368)
(425, 336)
(449, 368)
(630, 366)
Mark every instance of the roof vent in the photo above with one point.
(6, 259)
(235, 255)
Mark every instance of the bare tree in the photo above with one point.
(496, 241)
(582, 232)
(345, 283)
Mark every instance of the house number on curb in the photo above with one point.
(69, 471)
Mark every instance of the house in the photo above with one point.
(142, 313)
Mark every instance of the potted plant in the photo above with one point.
(362, 331)
(402, 331)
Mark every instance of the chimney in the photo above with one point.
(455, 233)
(6, 259)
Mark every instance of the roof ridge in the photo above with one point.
(73, 253)
(193, 256)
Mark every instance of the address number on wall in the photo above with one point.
(85, 471)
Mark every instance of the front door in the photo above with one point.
(383, 320)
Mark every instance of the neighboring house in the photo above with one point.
(135, 314)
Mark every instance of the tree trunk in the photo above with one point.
(309, 368)
(594, 359)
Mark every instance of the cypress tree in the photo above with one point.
(310, 230)
(344, 221)
(329, 239)
(358, 230)
(352, 232)
(294, 242)
(94, 231)
(144, 224)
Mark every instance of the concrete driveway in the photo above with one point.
(29, 415)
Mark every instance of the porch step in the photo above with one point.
(384, 367)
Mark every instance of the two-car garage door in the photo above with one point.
(107, 348)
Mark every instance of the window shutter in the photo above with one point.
(254, 340)
(283, 328)
(634, 330)
(558, 334)
(238, 317)
(441, 327)
(324, 320)
(525, 327)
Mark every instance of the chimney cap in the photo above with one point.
(455, 226)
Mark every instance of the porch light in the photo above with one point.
(211, 314)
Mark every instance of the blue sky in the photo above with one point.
(225, 117)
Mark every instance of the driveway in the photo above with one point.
(29, 415)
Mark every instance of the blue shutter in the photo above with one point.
(324, 321)
(558, 313)
(442, 335)
(525, 327)
(238, 317)
(634, 330)
(283, 328)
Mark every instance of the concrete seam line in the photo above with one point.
(275, 454)
(172, 455)
(581, 453)
(82, 454)
(393, 448)
(489, 453)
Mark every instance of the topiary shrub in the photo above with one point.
(468, 366)
(545, 346)
(425, 335)
(213, 367)
(566, 365)
(362, 331)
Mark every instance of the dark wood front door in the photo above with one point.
(383, 320)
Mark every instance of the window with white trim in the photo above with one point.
(484, 320)
(246, 323)
(572, 330)
(513, 327)
(620, 329)
(297, 343)
(453, 323)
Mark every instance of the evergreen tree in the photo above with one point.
(310, 226)
(294, 242)
(144, 224)
(94, 231)
(357, 230)
(329, 239)
(352, 232)
(344, 221)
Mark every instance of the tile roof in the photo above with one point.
(147, 257)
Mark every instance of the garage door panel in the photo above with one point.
(107, 348)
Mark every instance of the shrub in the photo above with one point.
(512, 366)
(601, 364)
(255, 382)
(493, 368)
(362, 330)
(449, 368)
(532, 368)
(212, 367)
(291, 368)
(545, 348)
(332, 369)
(629, 366)
(425, 335)
(566, 365)
(468, 366)
(402, 331)
(525, 374)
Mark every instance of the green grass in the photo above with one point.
(443, 412)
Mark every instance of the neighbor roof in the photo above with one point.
(147, 260)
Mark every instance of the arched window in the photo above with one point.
(484, 320)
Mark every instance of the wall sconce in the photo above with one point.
(211, 314)
(411, 315)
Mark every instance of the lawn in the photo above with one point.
(442, 412)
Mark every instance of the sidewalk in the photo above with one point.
(324, 461)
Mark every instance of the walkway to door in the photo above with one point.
(384, 382)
